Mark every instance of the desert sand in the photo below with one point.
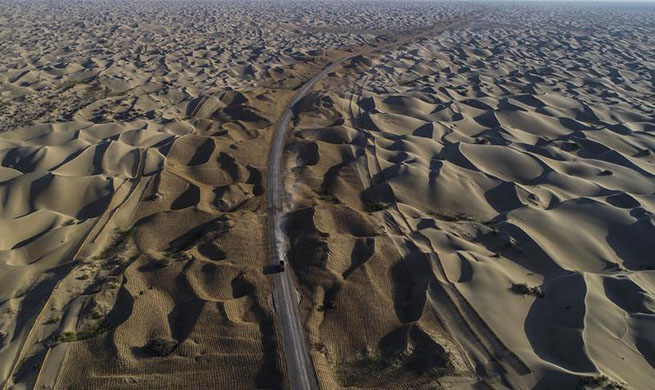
(468, 194)
(480, 204)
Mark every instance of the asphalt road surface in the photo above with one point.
(285, 299)
(300, 368)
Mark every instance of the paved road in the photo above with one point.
(285, 299)
(300, 368)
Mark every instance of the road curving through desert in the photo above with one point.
(299, 364)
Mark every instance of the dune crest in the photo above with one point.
(514, 198)
(465, 198)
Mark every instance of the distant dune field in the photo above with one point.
(469, 196)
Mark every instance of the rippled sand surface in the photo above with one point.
(470, 198)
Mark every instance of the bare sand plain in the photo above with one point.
(472, 208)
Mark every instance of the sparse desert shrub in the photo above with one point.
(320, 347)
(512, 243)
(325, 194)
(600, 382)
(161, 346)
(482, 141)
(156, 196)
(613, 267)
(413, 352)
(94, 328)
(65, 85)
(67, 337)
(570, 146)
(372, 207)
(53, 320)
(327, 306)
(459, 217)
(96, 314)
(524, 289)
(369, 365)
(180, 256)
(114, 283)
(490, 223)
(117, 243)
(163, 263)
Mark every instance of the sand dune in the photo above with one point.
(515, 191)
(118, 223)
(132, 178)
(467, 209)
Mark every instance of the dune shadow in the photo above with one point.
(190, 197)
(362, 252)
(410, 278)
(631, 243)
(554, 324)
(203, 153)
(193, 235)
(211, 251)
(187, 307)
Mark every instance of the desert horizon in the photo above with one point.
(327, 195)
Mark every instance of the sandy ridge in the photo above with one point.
(461, 318)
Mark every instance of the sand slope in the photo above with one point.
(469, 210)
(508, 175)
(126, 234)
